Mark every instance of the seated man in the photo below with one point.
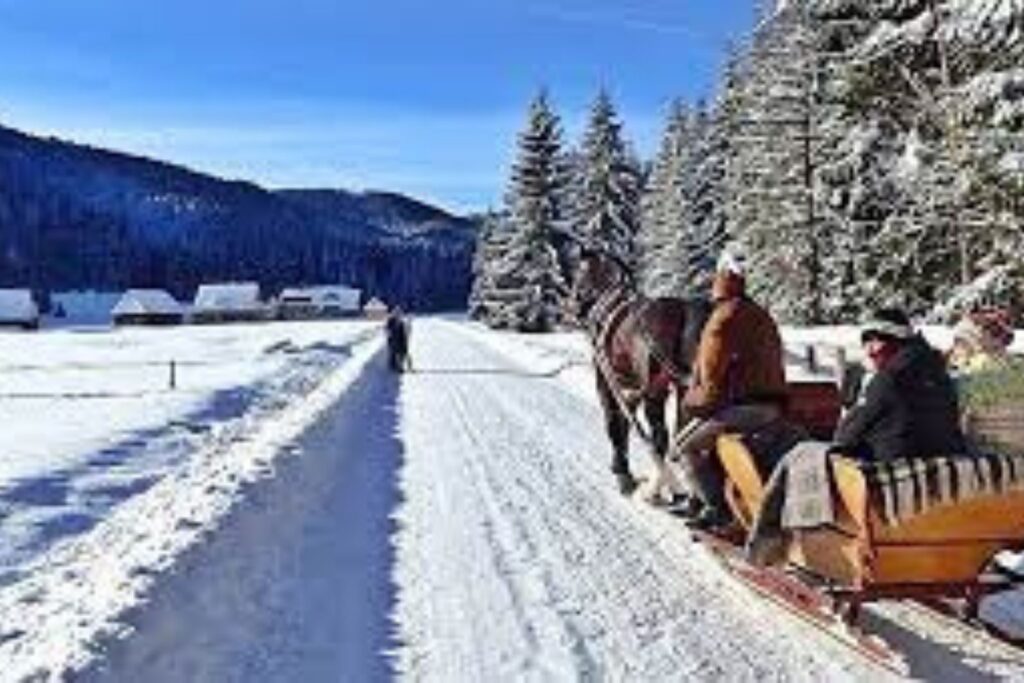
(739, 384)
(909, 406)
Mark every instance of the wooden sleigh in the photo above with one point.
(942, 558)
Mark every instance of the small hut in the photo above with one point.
(18, 309)
(375, 309)
(327, 301)
(148, 307)
(87, 307)
(228, 302)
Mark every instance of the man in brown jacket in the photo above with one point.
(738, 384)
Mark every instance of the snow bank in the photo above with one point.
(72, 597)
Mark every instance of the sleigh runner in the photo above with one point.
(926, 530)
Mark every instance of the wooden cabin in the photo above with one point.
(228, 302)
(310, 303)
(18, 309)
(148, 307)
(375, 309)
(83, 307)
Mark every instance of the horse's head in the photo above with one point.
(596, 273)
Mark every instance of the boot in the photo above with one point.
(711, 520)
(687, 506)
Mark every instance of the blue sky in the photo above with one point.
(417, 96)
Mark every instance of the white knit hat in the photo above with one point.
(731, 261)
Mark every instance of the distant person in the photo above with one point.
(909, 407)
(397, 330)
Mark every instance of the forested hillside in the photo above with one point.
(73, 217)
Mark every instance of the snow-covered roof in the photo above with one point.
(85, 307)
(17, 305)
(147, 301)
(228, 296)
(324, 295)
(375, 304)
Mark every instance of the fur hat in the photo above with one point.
(887, 323)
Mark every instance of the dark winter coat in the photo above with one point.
(398, 334)
(908, 408)
(739, 359)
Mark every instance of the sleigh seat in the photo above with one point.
(913, 522)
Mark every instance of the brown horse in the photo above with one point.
(643, 349)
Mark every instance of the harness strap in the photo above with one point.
(618, 305)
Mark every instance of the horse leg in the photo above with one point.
(617, 427)
(664, 481)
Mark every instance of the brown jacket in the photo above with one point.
(739, 359)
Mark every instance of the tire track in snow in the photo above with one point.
(517, 560)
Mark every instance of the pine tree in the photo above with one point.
(706, 197)
(919, 190)
(525, 281)
(484, 296)
(660, 240)
(770, 174)
(607, 185)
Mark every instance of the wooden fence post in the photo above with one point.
(811, 359)
(173, 379)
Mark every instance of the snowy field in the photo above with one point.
(293, 511)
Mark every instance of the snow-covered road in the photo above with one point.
(518, 560)
(514, 557)
(459, 524)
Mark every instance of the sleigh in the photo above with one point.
(938, 548)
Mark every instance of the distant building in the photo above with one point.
(375, 309)
(148, 307)
(228, 302)
(327, 301)
(18, 309)
(85, 307)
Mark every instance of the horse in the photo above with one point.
(643, 349)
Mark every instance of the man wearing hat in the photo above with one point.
(909, 407)
(738, 384)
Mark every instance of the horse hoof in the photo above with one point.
(627, 484)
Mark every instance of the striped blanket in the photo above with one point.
(910, 486)
(800, 492)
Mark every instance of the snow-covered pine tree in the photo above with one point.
(661, 240)
(606, 202)
(770, 172)
(527, 285)
(707, 230)
(492, 240)
(933, 119)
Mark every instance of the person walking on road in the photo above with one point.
(397, 330)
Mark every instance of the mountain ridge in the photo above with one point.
(78, 216)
